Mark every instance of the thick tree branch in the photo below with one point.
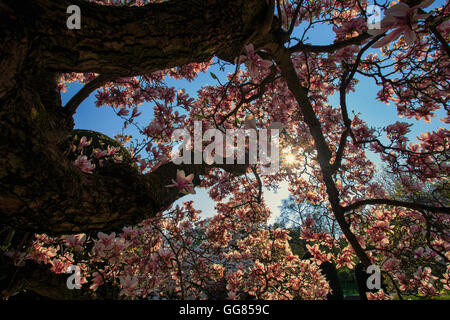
(41, 190)
(340, 151)
(441, 39)
(72, 105)
(115, 196)
(130, 41)
(331, 47)
(38, 278)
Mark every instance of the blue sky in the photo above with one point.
(363, 101)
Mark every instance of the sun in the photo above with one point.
(290, 159)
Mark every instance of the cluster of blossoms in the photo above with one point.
(404, 20)
(254, 63)
(98, 155)
(234, 255)
(175, 255)
(183, 183)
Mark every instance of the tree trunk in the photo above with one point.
(41, 190)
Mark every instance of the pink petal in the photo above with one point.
(410, 37)
(399, 10)
(250, 49)
(266, 64)
(390, 22)
(242, 59)
(180, 174)
(389, 38)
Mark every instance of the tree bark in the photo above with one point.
(41, 190)
(134, 40)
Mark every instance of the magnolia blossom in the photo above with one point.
(112, 150)
(76, 241)
(130, 285)
(99, 153)
(105, 243)
(253, 62)
(84, 142)
(117, 158)
(97, 281)
(403, 20)
(153, 129)
(84, 164)
(183, 183)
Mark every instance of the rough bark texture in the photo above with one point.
(40, 190)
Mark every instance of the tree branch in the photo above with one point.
(72, 105)
(288, 71)
(114, 196)
(331, 47)
(38, 278)
(130, 41)
(397, 203)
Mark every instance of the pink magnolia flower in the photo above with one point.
(129, 284)
(118, 159)
(309, 222)
(84, 142)
(104, 244)
(253, 62)
(403, 20)
(153, 129)
(112, 150)
(99, 153)
(96, 281)
(183, 183)
(380, 295)
(84, 164)
(391, 263)
(75, 241)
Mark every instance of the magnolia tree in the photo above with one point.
(79, 198)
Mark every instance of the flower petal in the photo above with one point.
(389, 38)
(399, 10)
(410, 37)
